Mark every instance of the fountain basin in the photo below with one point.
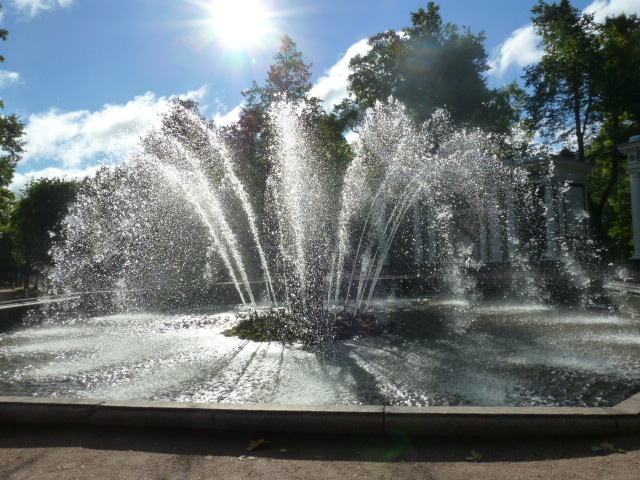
(440, 353)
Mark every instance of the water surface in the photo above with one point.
(441, 352)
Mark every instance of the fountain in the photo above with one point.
(178, 212)
(161, 244)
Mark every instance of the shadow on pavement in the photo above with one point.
(393, 448)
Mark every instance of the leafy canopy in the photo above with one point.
(37, 215)
(427, 66)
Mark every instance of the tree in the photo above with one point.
(430, 65)
(563, 84)
(618, 107)
(584, 96)
(11, 146)
(288, 79)
(11, 132)
(183, 123)
(36, 219)
(11, 149)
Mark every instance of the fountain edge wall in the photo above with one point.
(623, 418)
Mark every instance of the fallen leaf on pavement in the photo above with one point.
(475, 456)
(257, 444)
(606, 447)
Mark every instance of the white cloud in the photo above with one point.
(74, 143)
(608, 8)
(20, 180)
(520, 49)
(196, 95)
(34, 7)
(8, 78)
(73, 138)
(332, 86)
(233, 115)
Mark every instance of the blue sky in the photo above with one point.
(88, 77)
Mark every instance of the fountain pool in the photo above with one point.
(440, 352)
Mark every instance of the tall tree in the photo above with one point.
(584, 95)
(618, 106)
(11, 149)
(11, 146)
(563, 85)
(430, 65)
(289, 78)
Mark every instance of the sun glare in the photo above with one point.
(240, 23)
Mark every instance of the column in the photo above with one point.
(633, 170)
(432, 231)
(511, 225)
(632, 150)
(383, 249)
(484, 253)
(495, 236)
(561, 210)
(417, 234)
(551, 252)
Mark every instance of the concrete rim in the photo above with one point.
(623, 418)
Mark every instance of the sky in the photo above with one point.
(90, 77)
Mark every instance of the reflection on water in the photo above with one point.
(439, 353)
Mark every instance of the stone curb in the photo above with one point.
(624, 418)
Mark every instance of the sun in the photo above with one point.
(240, 23)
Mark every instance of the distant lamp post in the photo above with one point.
(632, 150)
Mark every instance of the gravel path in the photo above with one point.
(71, 452)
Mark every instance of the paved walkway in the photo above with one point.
(67, 452)
(9, 294)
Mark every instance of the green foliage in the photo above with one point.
(288, 79)
(8, 261)
(36, 217)
(610, 194)
(619, 70)
(186, 125)
(619, 109)
(563, 84)
(430, 65)
(617, 221)
(11, 149)
(584, 95)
